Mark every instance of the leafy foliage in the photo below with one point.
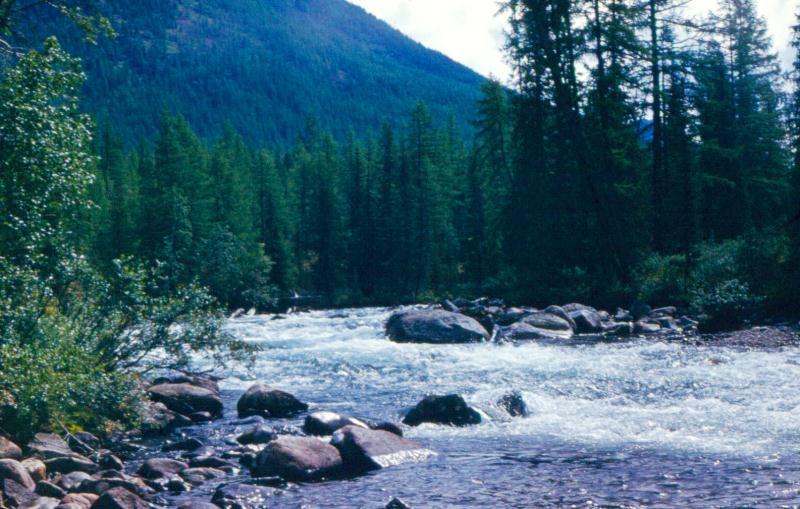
(72, 341)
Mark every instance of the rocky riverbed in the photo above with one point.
(335, 414)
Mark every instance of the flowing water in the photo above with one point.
(624, 424)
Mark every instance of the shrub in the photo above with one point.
(724, 305)
(73, 346)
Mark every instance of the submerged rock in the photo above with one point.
(514, 404)
(268, 402)
(242, 496)
(366, 449)
(326, 423)
(387, 426)
(396, 503)
(298, 459)
(187, 399)
(197, 504)
(450, 410)
(434, 326)
(257, 435)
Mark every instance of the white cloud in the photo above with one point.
(465, 30)
(469, 31)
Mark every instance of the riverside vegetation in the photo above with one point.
(665, 173)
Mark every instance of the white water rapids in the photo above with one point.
(647, 410)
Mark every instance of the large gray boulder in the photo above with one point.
(366, 449)
(434, 326)
(268, 402)
(187, 399)
(297, 459)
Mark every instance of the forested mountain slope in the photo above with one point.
(266, 66)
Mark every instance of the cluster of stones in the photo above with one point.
(464, 321)
(77, 472)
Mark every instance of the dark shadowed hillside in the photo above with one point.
(264, 65)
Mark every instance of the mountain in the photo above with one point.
(265, 66)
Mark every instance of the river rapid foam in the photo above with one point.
(628, 423)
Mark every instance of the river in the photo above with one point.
(623, 424)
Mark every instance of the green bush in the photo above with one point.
(725, 305)
(73, 347)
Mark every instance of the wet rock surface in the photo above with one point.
(264, 401)
(435, 326)
(451, 410)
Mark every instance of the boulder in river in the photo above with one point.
(257, 435)
(187, 399)
(365, 449)
(199, 475)
(514, 404)
(326, 423)
(242, 496)
(387, 426)
(561, 313)
(157, 468)
(537, 326)
(197, 504)
(298, 459)
(434, 326)
(450, 410)
(267, 402)
(182, 378)
(157, 419)
(396, 503)
(587, 319)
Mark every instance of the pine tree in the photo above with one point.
(274, 221)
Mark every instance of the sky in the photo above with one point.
(468, 31)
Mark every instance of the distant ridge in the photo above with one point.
(266, 66)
